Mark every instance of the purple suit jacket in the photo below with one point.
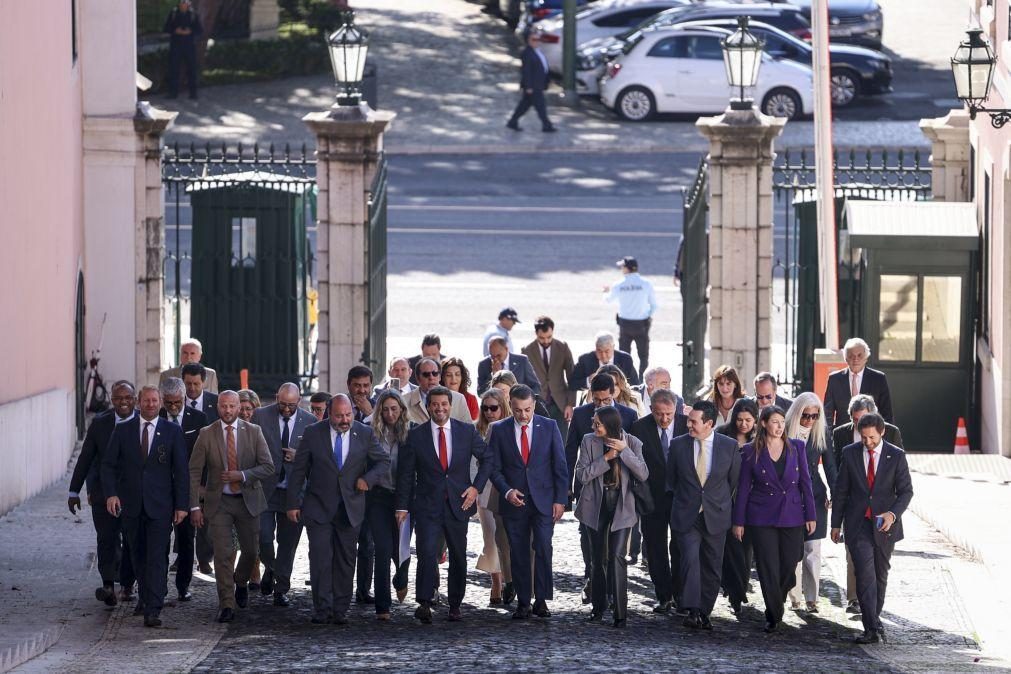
(765, 500)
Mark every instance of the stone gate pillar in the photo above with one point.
(949, 155)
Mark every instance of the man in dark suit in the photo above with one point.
(601, 395)
(194, 377)
(602, 354)
(872, 491)
(113, 560)
(359, 382)
(145, 483)
(500, 359)
(173, 392)
(338, 461)
(532, 478)
(656, 431)
(552, 362)
(766, 393)
(856, 378)
(533, 81)
(434, 467)
(283, 425)
(702, 472)
(431, 347)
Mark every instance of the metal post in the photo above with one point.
(569, 96)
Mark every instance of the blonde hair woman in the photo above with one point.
(494, 559)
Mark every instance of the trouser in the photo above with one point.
(182, 57)
(609, 564)
(635, 331)
(851, 578)
(504, 549)
(777, 551)
(111, 548)
(431, 528)
(872, 553)
(184, 555)
(808, 573)
(233, 514)
(523, 524)
(366, 554)
(737, 559)
(331, 564)
(586, 547)
(204, 546)
(635, 541)
(386, 538)
(535, 99)
(701, 565)
(281, 561)
(659, 551)
(148, 539)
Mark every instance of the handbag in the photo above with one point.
(644, 504)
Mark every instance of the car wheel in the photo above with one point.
(845, 87)
(636, 104)
(782, 103)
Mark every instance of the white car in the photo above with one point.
(600, 19)
(681, 70)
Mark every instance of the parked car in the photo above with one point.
(601, 19)
(856, 71)
(855, 21)
(535, 11)
(681, 70)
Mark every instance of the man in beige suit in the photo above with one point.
(552, 362)
(428, 372)
(237, 459)
(191, 351)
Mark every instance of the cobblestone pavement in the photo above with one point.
(927, 626)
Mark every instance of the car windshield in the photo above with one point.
(632, 40)
(661, 19)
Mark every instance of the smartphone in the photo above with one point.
(119, 509)
(879, 522)
(395, 383)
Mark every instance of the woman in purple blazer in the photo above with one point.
(776, 503)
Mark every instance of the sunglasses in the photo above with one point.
(771, 396)
(489, 408)
(810, 417)
(433, 373)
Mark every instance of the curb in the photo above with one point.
(31, 647)
(953, 534)
(542, 149)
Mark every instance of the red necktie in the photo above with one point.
(443, 450)
(524, 445)
(870, 478)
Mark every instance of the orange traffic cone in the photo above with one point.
(961, 438)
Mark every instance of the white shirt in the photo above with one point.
(709, 453)
(176, 419)
(224, 438)
(150, 432)
(449, 440)
(518, 433)
(345, 443)
(635, 297)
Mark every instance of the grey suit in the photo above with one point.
(332, 509)
(700, 516)
(279, 565)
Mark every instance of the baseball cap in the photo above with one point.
(509, 313)
(629, 262)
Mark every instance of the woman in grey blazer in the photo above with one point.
(608, 460)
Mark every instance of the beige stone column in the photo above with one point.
(740, 239)
(949, 155)
(264, 19)
(349, 142)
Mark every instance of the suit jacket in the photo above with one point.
(417, 412)
(89, 462)
(419, 473)
(781, 402)
(557, 376)
(193, 421)
(519, 365)
(533, 72)
(588, 364)
(766, 500)
(157, 484)
(544, 479)
(269, 420)
(209, 406)
(837, 395)
(581, 424)
(827, 459)
(326, 487)
(590, 469)
(842, 437)
(893, 489)
(688, 495)
(679, 403)
(210, 384)
(648, 432)
(253, 460)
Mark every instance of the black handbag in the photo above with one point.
(644, 504)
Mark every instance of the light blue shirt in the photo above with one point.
(498, 330)
(635, 297)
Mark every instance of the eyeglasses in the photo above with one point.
(771, 396)
(288, 406)
(489, 408)
(433, 374)
(810, 417)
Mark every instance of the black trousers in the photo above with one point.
(635, 331)
(663, 555)
(148, 539)
(701, 565)
(185, 539)
(558, 414)
(778, 550)
(182, 57)
(610, 566)
(428, 543)
(524, 525)
(872, 553)
(386, 538)
(535, 99)
(279, 560)
(111, 549)
(737, 560)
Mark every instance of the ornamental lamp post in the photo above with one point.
(742, 58)
(972, 67)
(348, 46)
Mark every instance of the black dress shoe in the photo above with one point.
(318, 620)
(454, 615)
(267, 583)
(770, 626)
(152, 620)
(107, 594)
(693, 620)
(541, 609)
(242, 596)
(553, 129)
(339, 619)
(185, 595)
(364, 598)
(281, 599)
(253, 586)
(620, 623)
(138, 609)
(596, 617)
(205, 569)
(226, 615)
(521, 613)
(126, 593)
(513, 125)
(868, 637)
(663, 607)
(705, 623)
(424, 614)
(735, 606)
(585, 595)
(508, 594)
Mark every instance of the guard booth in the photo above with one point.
(915, 268)
(251, 273)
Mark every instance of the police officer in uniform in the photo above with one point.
(636, 306)
(183, 27)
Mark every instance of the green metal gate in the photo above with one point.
(374, 354)
(694, 265)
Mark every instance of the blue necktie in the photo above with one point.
(338, 452)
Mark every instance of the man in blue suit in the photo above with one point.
(533, 81)
(434, 467)
(501, 359)
(145, 476)
(604, 353)
(532, 478)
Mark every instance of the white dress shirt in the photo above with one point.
(449, 440)
(709, 453)
(224, 439)
(345, 443)
(199, 401)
